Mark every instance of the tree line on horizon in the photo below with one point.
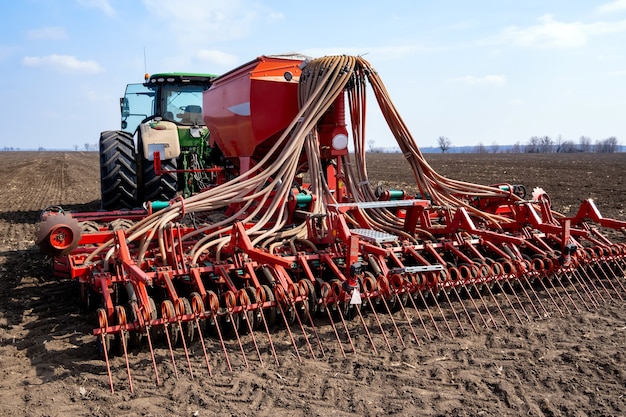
(542, 144)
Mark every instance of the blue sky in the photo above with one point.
(483, 71)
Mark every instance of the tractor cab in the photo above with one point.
(173, 97)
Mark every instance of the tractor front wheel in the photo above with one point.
(118, 170)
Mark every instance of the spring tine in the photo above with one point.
(154, 365)
(480, 314)
(567, 293)
(617, 278)
(182, 338)
(519, 301)
(317, 336)
(206, 356)
(493, 297)
(256, 346)
(393, 321)
(530, 300)
(441, 312)
(458, 296)
(591, 282)
(456, 316)
(123, 340)
(219, 334)
(306, 338)
(169, 345)
(106, 359)
(269, 337)
(532, 289)
(578, 277)
(369, 336)
(380, 326)
(243, 352)
(506, 297)
(345, 326)
(593, 271)
(543, 284)
(332, 323)
(486, 308)
(408, 320)
(610, 281)
(429, 312)
(569, 279)
(419, 316)
(293, 342)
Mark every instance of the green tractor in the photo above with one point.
(161, 116)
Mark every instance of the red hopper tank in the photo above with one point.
(252, 104)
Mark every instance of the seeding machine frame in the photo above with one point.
(271, 247)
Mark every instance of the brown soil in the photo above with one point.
(570, 365)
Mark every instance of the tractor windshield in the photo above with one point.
(137, 104)
(182, 103)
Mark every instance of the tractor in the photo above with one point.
(162, 115)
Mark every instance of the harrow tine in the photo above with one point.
(332, 323)
(244, 301)
(201, 337)
(393, 321)
(530, 301)
(506, 297)
(280, 297)
(456, 316)
(608, 278)
(182, 338)
(317, 336)
(557, 278)
(121, 320)
(593, 271)
(591, 282)
(569, 279)
(592, 299)
(480, 314)
(495, 325)
(243, 352)
(169, 344)
(550, 295)
(408, 320)
(103, 323)
(532, 289)
(369, 336)
(495, 300)
(519, 301)
(345, 326)
(306, 337)
(219, 335)
(267, 329)
(441, 312)
(419, 316)
(458, 296)
(154, 364)
(429, 313)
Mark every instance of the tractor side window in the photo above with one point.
(182, 104)
(137, 104)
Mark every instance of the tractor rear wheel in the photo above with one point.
(157, 187)
(118, 170)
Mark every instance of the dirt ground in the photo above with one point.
(553, 365)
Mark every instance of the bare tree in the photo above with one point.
(372, 145)
(568, 146)
(516, 148)
(608, 145)
(444, 143)
(495, 148)
(480, 148)
(584, 143)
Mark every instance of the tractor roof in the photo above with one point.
(178, 77)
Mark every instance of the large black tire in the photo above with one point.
(157, 187)
(118, 170)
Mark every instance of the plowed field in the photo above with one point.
(554, 365)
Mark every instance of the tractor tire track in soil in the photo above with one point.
(570, 365)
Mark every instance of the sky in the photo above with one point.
(491, 72)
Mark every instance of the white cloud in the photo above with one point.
(196, 22)
(55, 33)
(550, 33)
(217, 57)
(63, 63)
(486, 80)
(614, 6)
(103, 5)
